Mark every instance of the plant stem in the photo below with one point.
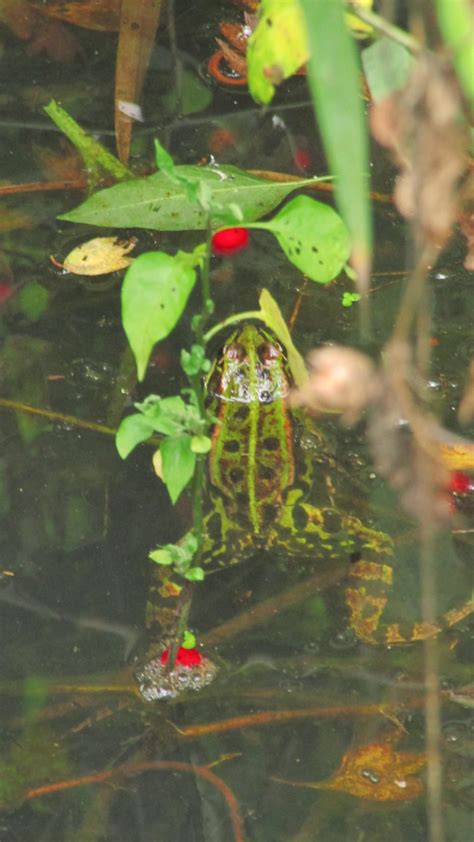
(385, 27)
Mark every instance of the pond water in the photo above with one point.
(77, 522)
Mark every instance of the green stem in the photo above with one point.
(232, 320)
(385, 27)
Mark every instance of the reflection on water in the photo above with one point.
(295, 697)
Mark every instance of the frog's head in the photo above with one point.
(252, 366)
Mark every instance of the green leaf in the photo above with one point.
(161, 556)
(178, 462)
(201, 444)
(277, 48)
(156, 203)
(155, 290)
(387, 66)
(33, 300)
(313, 237)
(132, 431)
(333, 75)
(455, 19)
(189, 640)
(163, 159)
(168, 415)
(195, 574)
(98, 162)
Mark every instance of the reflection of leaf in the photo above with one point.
(102, 15)
(155, 202)
(99, 256)
(139, 21)
(375, 772)
(194, 96)
(97, 159)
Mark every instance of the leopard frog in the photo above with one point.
(263, 477)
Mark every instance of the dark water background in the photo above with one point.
(77, 523)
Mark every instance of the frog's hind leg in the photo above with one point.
(367, 594)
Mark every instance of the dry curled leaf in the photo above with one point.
(423, 126)
(101, 15)
(466, 224)
(340, 380)
(466, 407)
(100, 256)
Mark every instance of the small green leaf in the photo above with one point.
(132, 431)
(154, 294)
(387, 66)
(200, 444)
(167, 415)
(161, 556)
(195, 574)
(189, 640)
(178, 462)
(313, 237)
(348, 298)
(33, 300)
(163, 158)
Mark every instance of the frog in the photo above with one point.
(263, 479)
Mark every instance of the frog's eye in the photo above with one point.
(268, 352)
(235, 352)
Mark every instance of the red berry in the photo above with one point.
(461, 483)
(303, 158)
(184, 657)
(6, 291)
(230, 240)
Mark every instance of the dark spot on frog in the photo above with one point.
(300, 517)
(232, 446)
(242, 413)
(266, 472)
(236, 474)
(270, 443)
(331, 520)
(213, 526)
(355, 557)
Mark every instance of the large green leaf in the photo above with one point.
(162, 204)
(313, 237)
(155, 290)
(333, 74)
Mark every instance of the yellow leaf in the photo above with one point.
(359, 28)
(100, 256)
(157, 464)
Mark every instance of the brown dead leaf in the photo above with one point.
(423, 126)
(375, 772)
(466, 224)
(12, 218)
(139, 20)
(27, 23)
(60, 164)
(101, 15)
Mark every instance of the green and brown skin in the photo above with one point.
(261, 480)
